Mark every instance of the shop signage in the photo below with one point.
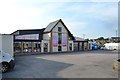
(27, 37)
(64, 40)
(55, 41)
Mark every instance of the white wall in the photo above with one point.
(0, 53)
(0, 42)
(7, 43)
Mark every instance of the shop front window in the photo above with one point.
(45, 47)
(17, 47)
(70, 46)
(37, 47)
(76, 46)
(27, 46)
(85, 46)
(81, 46)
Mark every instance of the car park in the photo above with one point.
(116, 65)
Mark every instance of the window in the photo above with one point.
(17, 47)
(27, 46)
(70, 46)
(37, 47)
(59, 29)
(76, 46)
(59, 41)
(59, 38)
(45, 47)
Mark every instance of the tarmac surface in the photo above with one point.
(84, 64)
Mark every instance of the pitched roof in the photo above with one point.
(51, 26)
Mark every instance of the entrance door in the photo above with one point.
(59, 48)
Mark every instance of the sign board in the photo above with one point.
(64, 40)
(55, 41)
(27, 37)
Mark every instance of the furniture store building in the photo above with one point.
(54, 38)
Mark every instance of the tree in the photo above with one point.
(101, 38)
(87, 39)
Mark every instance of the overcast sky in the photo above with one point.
(91, 18)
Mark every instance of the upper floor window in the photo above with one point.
(59, 29)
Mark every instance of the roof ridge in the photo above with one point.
(51, 25)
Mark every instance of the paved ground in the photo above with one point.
(89, 64)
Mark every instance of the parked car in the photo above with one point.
(116, 65)
(7, 62)
(95, 46)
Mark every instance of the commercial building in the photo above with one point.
(54, 38)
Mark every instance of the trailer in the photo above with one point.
(112, 46)
(6, 53)
(6, 43)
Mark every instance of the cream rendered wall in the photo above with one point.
(59, 25)
(46, 36)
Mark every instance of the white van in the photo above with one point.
(112, 46)
(7, 62)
